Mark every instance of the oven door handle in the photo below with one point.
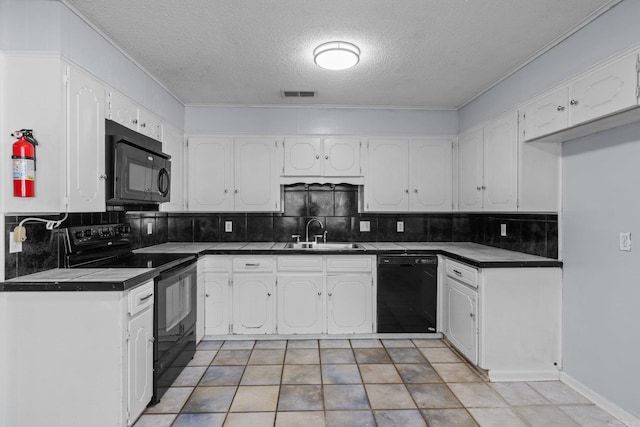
(177, 270)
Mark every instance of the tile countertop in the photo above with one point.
(475, 254)
(81, 279)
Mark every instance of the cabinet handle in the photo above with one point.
(146, 298)
(457, 272)
(134, 121)
(574, 102)
(470, 314)
(252, 264)
(484, 187)
(560, 108)
(143, 125)
(206, 295)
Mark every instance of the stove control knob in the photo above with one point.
(79, 234)
(87, 232)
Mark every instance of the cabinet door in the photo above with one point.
(256, 175)
(300, 304)
(431, 175)
(149, 124)
(341, 157)
(253, 303)
(86, 145)
(217, 304)
(500, 183)
(604, 91)
(461, 309)
(210, 179)
(140, 362)
(387, 180)
(122, 110)
(546, 115)
(174, 146)
(349, 304)
(470, 170)
(302, 157)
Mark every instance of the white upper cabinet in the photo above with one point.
(500, 172)
(470, 162)
(598, 99)
(604, 91)
(302, 157)
(547, 114)
(227, 174)
(86, 143)
(341, 157)
(210, 180)
(488, 166)
(174, 146)
(430, 174)
(387, 180)
(123, 110)
(314, 156)
(256, 171)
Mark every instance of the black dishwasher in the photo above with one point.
(407, 293)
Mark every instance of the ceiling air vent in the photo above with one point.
(299, 94)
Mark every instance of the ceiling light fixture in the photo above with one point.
(336, 55)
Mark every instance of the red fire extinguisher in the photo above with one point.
(24, 163)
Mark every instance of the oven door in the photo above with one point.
(141, 176)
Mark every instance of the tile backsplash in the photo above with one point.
(335, 205)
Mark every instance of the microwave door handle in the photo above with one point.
(163, 177)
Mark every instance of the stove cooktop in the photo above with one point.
(144, 260)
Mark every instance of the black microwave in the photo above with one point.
(138, 172)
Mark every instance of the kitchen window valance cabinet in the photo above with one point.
(488, 166)
(64, 106)
(329, 157)
(227, 174)
(409, 175)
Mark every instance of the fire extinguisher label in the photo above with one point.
(24, 169)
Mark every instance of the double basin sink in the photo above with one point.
(313, 246)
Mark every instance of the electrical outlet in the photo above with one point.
(625, 242)
(365, 226)
(14, 246)
(228, 226)
(149, 228)
(503, 230)
(400, 226)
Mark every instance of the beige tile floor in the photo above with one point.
(356, 383)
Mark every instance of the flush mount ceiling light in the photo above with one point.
(336, 55)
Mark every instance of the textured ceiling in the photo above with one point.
(415, 53)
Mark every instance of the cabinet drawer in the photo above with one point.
(140, 298)
(299, 263)
(462, 272)
(251, 264)
(213, 263)
(347, 263)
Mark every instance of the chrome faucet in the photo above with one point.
(307, 228)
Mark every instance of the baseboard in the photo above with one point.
(503, 376)
(607, 405)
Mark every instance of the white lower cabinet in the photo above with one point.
(102, 368)
(289, 294)
(505, 320)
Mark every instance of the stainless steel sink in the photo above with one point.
(323, 246)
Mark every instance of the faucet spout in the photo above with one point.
(309, 223)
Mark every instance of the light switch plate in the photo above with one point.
(400, 226)
(503, 230)
(228, 226)
(365, 226)
(625, 242)
(149, 228)
(14, 246)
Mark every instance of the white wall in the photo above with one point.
(296, 120)
(601, 173)
(50, 26)
(602, 284)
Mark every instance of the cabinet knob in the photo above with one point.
(143, 125)
(319, 293)
(478, 188)
(406, 191)
(560, 108)
(574, 102)
(226, 191)
(330, 294)
(134, 121)
(471, 315)
(235, 191)
(268, 294)
(484, 187)
(103, 177)
(206, 295)
(415, 190)
(326, 157)
(317, 156)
